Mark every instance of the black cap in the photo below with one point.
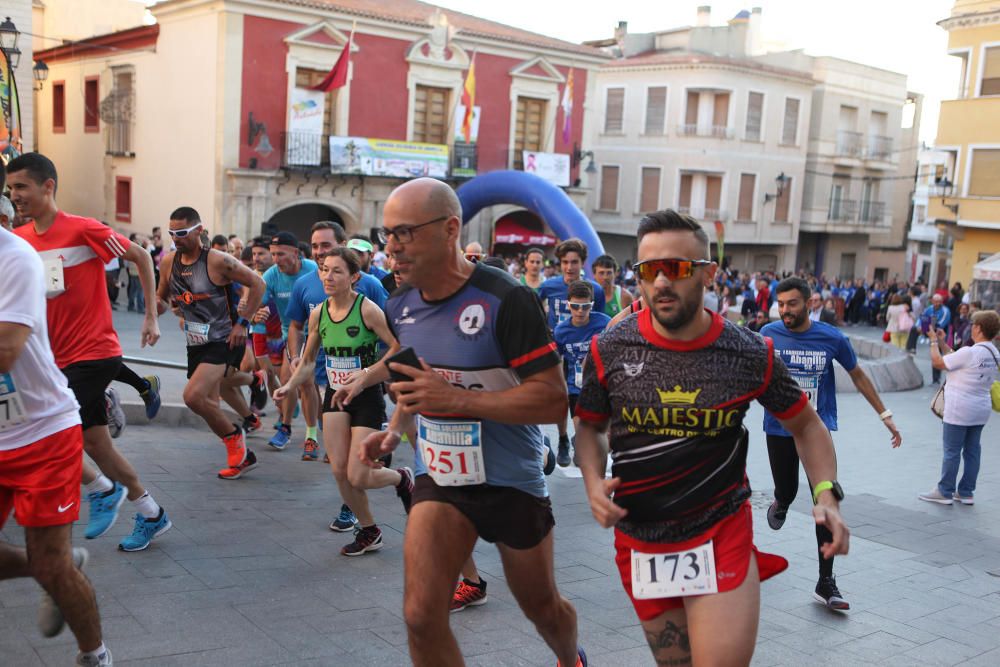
(285, 238)
(260, 242)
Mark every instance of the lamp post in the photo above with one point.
(40, 72)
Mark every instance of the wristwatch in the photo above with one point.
(243, 321)
(832, 485)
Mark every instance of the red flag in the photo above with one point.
(338, 75)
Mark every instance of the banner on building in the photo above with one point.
(464, 164)
(553, 167)
(460, 119)
(383, 157)
(10, 114)
(304, 145)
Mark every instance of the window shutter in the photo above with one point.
(613, 111)
(656, 109)
(747, 184)
(609, 188)
(650, 198)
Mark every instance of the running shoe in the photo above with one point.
(151, 397)
(116, 416)
(776, 515)
(550, 456)
(258, 390)
(103, 660)
(310, 450)
(581, 658)
(238, 471)
(404, 490)
(386, 460)
(104, 510)
(828, 593)
(563, 457)
(345, 521)
(365, 540)
(468, 594)
(251, 424)
(50, 617)
(145, 530)
(280, 439)
(236, 448)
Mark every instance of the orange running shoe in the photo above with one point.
(240, 470)
(236, 448)
(468, 595)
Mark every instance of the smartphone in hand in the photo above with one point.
(407, 357)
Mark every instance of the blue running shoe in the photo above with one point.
(144, 532)
(151, 397)
(104, 510)
(345, 522)
(281, 438)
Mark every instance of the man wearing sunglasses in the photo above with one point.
(474, 252)
(673, 385)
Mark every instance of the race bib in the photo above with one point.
(197, 334)
(810, 385)
(339, 369)
(452, 451)
(54, 285)
(676, 574)
(578, 375)
(11, 408)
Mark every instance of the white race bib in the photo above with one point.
(810, 385)
(11, 408)
(54, 284)
(452, 451)
(338, 369)
(578, 375)
(676, 574)
(197, 334)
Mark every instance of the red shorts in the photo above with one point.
(733, 544)
(41, 481)
(266, 347)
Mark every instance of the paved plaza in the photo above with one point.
(250, 574)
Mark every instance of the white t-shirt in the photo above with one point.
(971, 371)
(35, 399)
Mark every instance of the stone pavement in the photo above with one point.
(250, 575)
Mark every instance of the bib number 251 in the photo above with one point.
(677, 574)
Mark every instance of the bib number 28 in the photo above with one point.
(677, 574)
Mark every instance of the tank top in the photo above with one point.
(349, 344)
(613, 306)
(524, 282)
(206, 307)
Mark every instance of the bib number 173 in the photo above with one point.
(677, 574)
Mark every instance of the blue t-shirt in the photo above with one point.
(376, 273)
(278, 288)
(554, 293)
(809, 356)
(573, 343)
(488, 336)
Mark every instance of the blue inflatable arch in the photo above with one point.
(536, 195)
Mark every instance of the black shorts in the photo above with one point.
(217, 353)
(500, 514)
(573, 398)
(366, 410)
(88, 380)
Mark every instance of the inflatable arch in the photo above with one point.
(536, 195)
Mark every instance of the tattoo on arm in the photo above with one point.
(671, 639)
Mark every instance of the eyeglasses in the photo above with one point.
(581, 306)
(404, 233)
(672, 268)
(181, 233)
(474, 257)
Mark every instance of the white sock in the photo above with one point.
(97, 652)
(100, 485)
(146, 506)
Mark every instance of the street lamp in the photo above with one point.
(780, 182)
(41, 72)
(578, 156)
(8, 35)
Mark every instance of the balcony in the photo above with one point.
(705, 214)
(843, 210)
(872, 213)
(305, 150)
(714, 131)
(857, 213)
(849, 144)
(879, 148)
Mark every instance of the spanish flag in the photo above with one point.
(469, 100)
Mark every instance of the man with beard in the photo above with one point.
(673, 383)
(809, 348)
(361, 244)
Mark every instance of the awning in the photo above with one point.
(987, 269)
(510, 230)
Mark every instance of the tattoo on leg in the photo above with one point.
(672, 636)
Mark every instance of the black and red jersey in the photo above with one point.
(676, 412)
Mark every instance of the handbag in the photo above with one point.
(886, 337)
(995, 387)
(937, 402)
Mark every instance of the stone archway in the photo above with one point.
(299, 218)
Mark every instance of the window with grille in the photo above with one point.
(117, 112)
(609, 188)
(748, 182)
(91, 104)
(614, 110)
(656, 109)
(755, 114)
(430, 115)
(59, 106)
(790, 126)
(649, 198)
(529, 127)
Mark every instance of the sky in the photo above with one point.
(898, 35)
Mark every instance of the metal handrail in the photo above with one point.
(158, 363)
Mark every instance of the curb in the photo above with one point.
(171, 414)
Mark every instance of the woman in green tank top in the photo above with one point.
(349, 328)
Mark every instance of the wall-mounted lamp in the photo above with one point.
(780, 181)
(40, 72)
(578, 156)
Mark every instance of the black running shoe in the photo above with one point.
(258, 390)
(776, 515)
(404, 490)
(828, 593)
(550, 456)
(563, 457)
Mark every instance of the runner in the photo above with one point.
(289, 266)
(573, 338)
(362, 245)
(348, 327)
(308, 293)
(268, 345)
(808, 349)
(480, 468)
(534, 259)
(41, 458)
(616, 299)
(84, 343)
(197, 287)
(474, 252)
(674, 382)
